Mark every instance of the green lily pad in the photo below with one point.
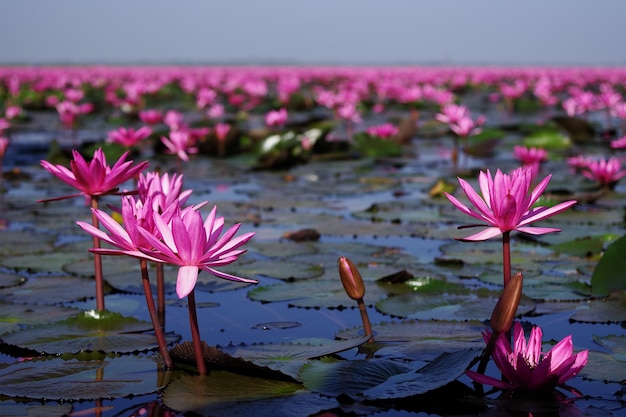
(12, 409)
(547, 139)
(604, 367)
(14, 317)
(89, 331)
(414, 330)
(320, 293)
(608, 275)
(10, 280)
(333, 377)
(475, 305)
(50, 290)
(284, 270)
(612, 310)
(288, 358)
(44, 262)
(16, 243)
(72, 380)
(201, 392)
(584, 247)
(443, 370)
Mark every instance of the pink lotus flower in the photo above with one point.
(603, 171)
(12, 112)
(180, 143)
(162, 189)
(384, 131)
(215, 111)
(577, 163)
(4, 124)
(4, 144)
(128, 137)
(276, 117)
(452, 113)
(525, 367)
(529, 156)
(221, 131)
(94, 178)
(151, 117)
(194, 245)
(619, 143)
(467, 127)
(174, 120)
(506, 204)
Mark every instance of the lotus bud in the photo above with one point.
(506, 307)
(351, 279)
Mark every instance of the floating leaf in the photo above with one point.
(11, 409)
(50, 290)
(90, 331)
(13, 317)
(441, 371)
(57, 379)
(44, 262)
(332, 377)
(10, 280)
(608, 275)
(20, 243)
(288, 358)
(611, 310)
(604, 367)
(196, 393)
(548, 139)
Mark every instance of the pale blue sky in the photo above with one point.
(495, 32)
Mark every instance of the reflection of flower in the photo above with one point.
(506, 203)
(525, 367)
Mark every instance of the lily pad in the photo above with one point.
(89, 331)
(19, 243)
(333, 377)
(72, 380)
(50, 290)
(475, 305)
(288, 358)
(44, 262)
(14, 317)
(548, 139)
(438, 373)
(201, 392)
(12, 409)
(10, 280)
(321, 293)
(611, 310)
(604, 367)
(608, 275)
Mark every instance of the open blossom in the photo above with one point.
(180, 143)
(4, 124)
(619, 143)
(193, 245)
(506, 203)
(94, 178)
(151, 117)
(604, 171)
(529, 156)
(525, 367)
(162, 189)
(452, 113)
(221, 131)
(128, 137)
(276, 117)
(384, 131)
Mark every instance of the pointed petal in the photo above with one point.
(186, 280)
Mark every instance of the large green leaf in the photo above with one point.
(14, 317)
(50, 290)
(608, 275)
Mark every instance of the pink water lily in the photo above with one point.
(94, 178)
(194, 245)
(180, 143)
(506, 203)
(128, 137)
(606, 172)
(525, 367)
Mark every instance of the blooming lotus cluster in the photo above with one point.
(276, 117)
(525, 367)
(606, 172)
(459, 120)
(506, 203)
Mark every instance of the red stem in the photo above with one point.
(506, 256)
(161, 294)
(367, 326)
(97, 259)
(195, 333)
(156, 324)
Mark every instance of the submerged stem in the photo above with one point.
(156, 323)
(97, 259)
(195, 333)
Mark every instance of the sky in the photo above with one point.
(314, 32)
